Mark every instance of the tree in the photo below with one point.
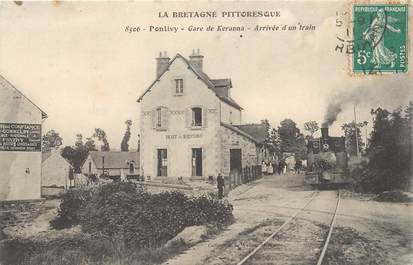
(124, 146)
(79, 140)
(78, 153)
(275, 143)
(288, 133)
(51, 140)
(272, 141)
(389, 152)
(350, 134)
(311, 127)
(267, 126)
(90, 144)
(301, 147)
(101, 136)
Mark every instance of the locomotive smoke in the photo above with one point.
(342, 100)
(391, 94)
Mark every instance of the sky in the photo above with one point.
(78, 64)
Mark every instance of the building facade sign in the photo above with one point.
(183, 136)
(20, 137)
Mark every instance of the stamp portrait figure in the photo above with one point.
(375, 35)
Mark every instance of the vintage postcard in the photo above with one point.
(206, 132)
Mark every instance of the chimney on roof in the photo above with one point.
(162, 63)
(196, 60)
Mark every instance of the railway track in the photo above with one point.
(267, 252)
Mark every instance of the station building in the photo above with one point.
(20, 144)
(114, 164)
(191, 127)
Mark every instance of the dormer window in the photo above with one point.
(179, 86)
(196, 117)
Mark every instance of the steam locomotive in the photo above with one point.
(326, 161)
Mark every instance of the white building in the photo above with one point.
(20, 144)
(116, 165)
(191, 127)
(56, 170)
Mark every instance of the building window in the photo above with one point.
(179, 86)
(197, 117)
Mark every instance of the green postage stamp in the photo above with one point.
(380, 38)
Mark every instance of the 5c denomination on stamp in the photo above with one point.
(380, 38)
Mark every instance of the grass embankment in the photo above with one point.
(121, 223)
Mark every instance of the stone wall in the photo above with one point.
(232, 140)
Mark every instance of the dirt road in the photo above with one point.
(367, 232)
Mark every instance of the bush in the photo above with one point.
(70, 250)
(81, 251)
(68, 213)
(140, 219)
(393, 196)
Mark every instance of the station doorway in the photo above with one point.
(197, 162)
(235, 161)
(162, 162)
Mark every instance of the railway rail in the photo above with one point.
(255, 253)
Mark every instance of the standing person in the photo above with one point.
(270, 169)
(280, 167)
(274, 168)
(264, 168)
(220, 186)
(297, 166)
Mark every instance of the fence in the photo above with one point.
(248, 174)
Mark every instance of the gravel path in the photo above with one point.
(367, 232)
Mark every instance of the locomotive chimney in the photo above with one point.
(162, 63)
(324, 132)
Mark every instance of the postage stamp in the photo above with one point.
(380, 38)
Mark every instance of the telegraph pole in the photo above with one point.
(365, 124)
(355, 128)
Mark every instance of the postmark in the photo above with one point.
(380, 38)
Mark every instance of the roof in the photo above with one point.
(240, 132)
(222, 82)
(46, 155)
(212, 84)
(257, 131)
(114, 159)
(4, 81)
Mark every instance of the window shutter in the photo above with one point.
(203, 160)
(153, 116)
(165, 118)
(204, 117)
(188, 118)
